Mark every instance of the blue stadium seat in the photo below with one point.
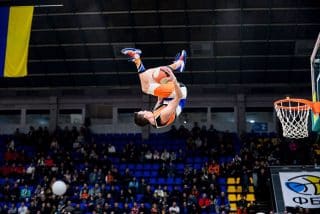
(222, 181)
(138, 174)
(170, 181)
(146, 174)
(178, 181)
(153, 181)
(147, 166)
(161, 181)
(139, 198)
(139, 167)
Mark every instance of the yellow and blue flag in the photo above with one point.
(15, 28)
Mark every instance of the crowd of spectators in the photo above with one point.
(33, 161)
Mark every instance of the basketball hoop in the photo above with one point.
(293, 114)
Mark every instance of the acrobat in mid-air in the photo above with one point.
(162, 83)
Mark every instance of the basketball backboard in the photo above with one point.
(315, 80)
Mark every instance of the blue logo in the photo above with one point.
(304, 184)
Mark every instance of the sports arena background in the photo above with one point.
(78, 99)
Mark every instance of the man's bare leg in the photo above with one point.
(148, 85)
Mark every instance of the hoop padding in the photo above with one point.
(294, 116)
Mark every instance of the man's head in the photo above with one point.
(143, 118)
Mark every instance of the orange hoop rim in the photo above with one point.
(305, 103)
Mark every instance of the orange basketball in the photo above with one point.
(161, 75)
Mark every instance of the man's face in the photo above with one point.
(147, 115)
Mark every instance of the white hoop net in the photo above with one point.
(294, 118)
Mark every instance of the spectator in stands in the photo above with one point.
(154, 209)
(174, 208)
(245, 179)
(165, 156)
(262, 186)
(77, 209)
(95, 190)
(23, 209)
(5, 192)
(109, 178)
(195, 130)
(126, 177)
(194, 191)
(84, 195)
(116, 209)
(69, 208)
(143, 209)
(184, 208)
(171, 170)
(212, 192)
(163, 170)
(32, 207)
(214, 168)
(13, 209)
(15, 193)
(204, 203)
(156, 155)
(25, 193)
(175, 194)
(159, 194)
(48, 162)
(173, 156)
(109, 199)
(192, 200)
(148, 155)
(194, 209)
(100, 200)
(148, 195)
(111, 149)
(134, 185)
(222, 204)
(135, 208)
(242, 205)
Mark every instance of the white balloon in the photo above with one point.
(59, 187)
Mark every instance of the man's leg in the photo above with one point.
(148, 85)
(180, 62)
(134, 56)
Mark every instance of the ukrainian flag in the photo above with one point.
(15, 28)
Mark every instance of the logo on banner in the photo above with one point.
(304, 185)
(301, 189)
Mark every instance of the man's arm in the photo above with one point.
(158, 103)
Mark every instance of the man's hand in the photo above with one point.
(172, 77)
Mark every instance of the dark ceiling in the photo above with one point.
(241, 42)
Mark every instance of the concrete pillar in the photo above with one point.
(209, 116)
(23, 120)
(114, 115)
(240, 113)
(54, 113)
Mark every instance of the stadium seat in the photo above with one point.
(250, 197)
(138, 174)
(223, 188)
(170, 181)
(231, 181)
(161, 181)
(222, 181)
(139, 167)
(231, 189)
(146, 174)
(232, 197)
(233, 206)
